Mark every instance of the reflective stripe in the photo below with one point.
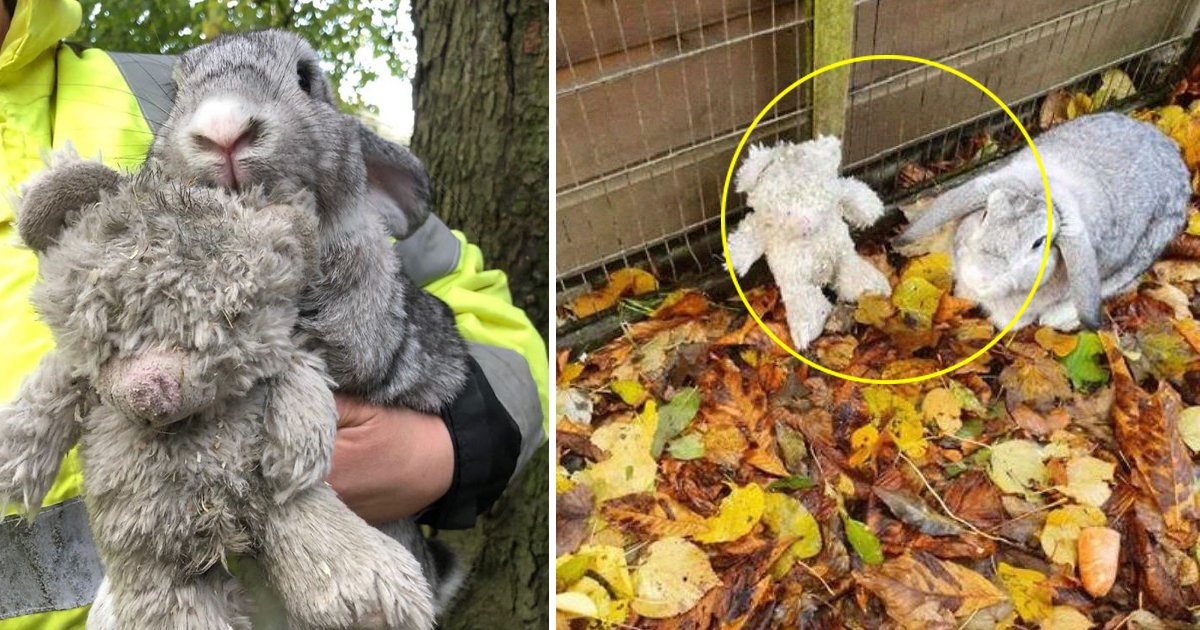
(149, 78)
(509, 377)
(49, 564)
(430, 252)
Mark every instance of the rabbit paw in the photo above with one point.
(807, 321)
(856, 276)
(1061, 317)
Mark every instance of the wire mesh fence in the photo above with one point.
(653, 98)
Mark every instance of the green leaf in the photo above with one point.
(687, 447)
(798, 482)
(569, 569)
(674, 417)
(1084, 364)
(865, 544)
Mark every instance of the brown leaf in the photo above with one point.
(916, 513)
(581, 445)
(622, 282)
(975, 499)
(921, 591)
(1037, 381)
(572, 509)
(1037, 423)
(1147, 431)
(651, 517)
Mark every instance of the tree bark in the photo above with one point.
(482, 128)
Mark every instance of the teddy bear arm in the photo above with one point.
(860, 205)
(745, 246)
(52, 200)
(37, 429)
(300, 424)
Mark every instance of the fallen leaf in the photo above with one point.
(609, 609)
(864, 443)
(792, 483)
(873, 310)
(1060, 344)
(942, 408)
(1079, 105)
(621, 283)
(1088, 479)
(864, 541)
(913, 587)
(788, 519)
(1039, 424)
(913, 511)
(674, 417)
(917, 300)
(574, 405)
(1065, 618)
(1189, 428)
(572, 509)
(630, 468)
(792, 447)
(647, 516)
(630, 391)
(1039, 382)
(1017, 467)
(725, 445)
(670, 578)
(738, 514)
(1060, 534)
(1115, 85)
(576, 605)
(1030, 594)
(934, 268)
(1054, 109)
(687, 447)
(1084, 363)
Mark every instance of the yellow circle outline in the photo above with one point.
(911, 379)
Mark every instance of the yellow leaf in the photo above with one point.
(864, 441)
(671, 578)
(917, 300)
(1189, 428)
(787, 518)
(629, 468)
(608, 608)
(569, 569)
(608, 562)
(630, 391)
(737, 515)
(933, 268)
(873, 309)
(1114, 86)
(1058, 343)
(1087, 480)
(1193, 224)
(909, 434)
(942, 408)
(1017, 466)
(562, 480)
(576, 605)
(622, 282)
(1066, 618)
(1079, 105)
(1060, 534)
(1031, 596)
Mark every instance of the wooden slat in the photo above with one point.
(638, 116)
(588, 29)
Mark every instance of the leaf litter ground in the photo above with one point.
(707, 479)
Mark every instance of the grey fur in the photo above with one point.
(1120, 192)
(190, 295)
(382, 337)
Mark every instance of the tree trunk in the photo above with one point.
(482, 128)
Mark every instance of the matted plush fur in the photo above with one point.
(205, 426)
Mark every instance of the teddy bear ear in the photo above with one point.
(52, 200)
(752, 167)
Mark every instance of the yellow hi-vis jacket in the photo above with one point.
(106, 104)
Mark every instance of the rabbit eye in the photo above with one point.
(1038, 243)
(305, 80)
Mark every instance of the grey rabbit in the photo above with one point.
(205, 428)
(1120, 193)
(255, 109)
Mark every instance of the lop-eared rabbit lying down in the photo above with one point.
(254, 109)
(1120, 193)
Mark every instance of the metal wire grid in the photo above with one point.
(693, 245)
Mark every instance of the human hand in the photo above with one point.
(389, 463)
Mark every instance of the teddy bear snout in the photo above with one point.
(151, 387)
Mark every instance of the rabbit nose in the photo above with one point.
(223, 126)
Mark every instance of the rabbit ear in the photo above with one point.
(397, 183)
(1079, 257)
(948, 206)
(52, 200)
(752, 167)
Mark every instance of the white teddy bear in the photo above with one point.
(801, 207)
